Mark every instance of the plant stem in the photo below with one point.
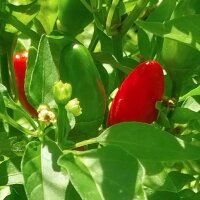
(117, 47)
(111, 15)
(20, 26)
(135, 13)
(87, 5)
(63, 126)
(94, 40)
(5, 72)
(14, 124)
(86, 142)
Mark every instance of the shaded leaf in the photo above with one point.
(184, 115)
(10, 173)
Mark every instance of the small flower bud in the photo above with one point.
(62, 92)
(74, 107)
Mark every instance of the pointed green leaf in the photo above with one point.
(41, 74)
(176, 29)
(43, 178)
(194, 92)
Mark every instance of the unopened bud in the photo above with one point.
(74, 107)
(62, 92)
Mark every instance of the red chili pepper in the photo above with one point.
(19, 61)
(138, 94)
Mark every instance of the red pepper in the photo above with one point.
(138, 94)
(19, 61)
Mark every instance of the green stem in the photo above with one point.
(10, 40)
(27, 117)
(94, 41)
(20, 26)
(5, 72)
(111, 15)
(63, 126)
(87, 5)
(86, 142)
(14, 124)
(2, 8)
(176, 89)
(135, 13)
(23, 112)
(117, 47)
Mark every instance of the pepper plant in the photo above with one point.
(99, 99)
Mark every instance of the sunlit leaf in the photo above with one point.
(144, 141)
(99, 174)
(43, 178)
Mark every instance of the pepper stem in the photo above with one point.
(63, 126)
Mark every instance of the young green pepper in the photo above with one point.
(77, 68)
(73, 16)
(179, 59)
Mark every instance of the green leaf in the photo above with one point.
(109, 59)
(3, 93)
(146, 43)
(184, 115)
(179, 179)
(5, 147)
(48, 14)
(144, 141)
(42, 176)
(163, 12)
(41, 75)
(192, 103)
(20, 2)
(3, 89)
(24, 13)
(188, 194)
(194, 92)
(16, 192)
(2, 105)
(164, 196)
(10, 172)
(71, 193)
(5, 192)
(173, 181)
(188, 7)
(106, 42)
(57, 44)
(107, 173)
(176, 29)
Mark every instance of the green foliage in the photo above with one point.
(40, 171)
(94, 174)
(61, 156)
(38, 71)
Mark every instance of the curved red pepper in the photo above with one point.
(19, 61)
(138, 94)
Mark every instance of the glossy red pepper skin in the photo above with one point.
(20, 63)
(137, 96)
